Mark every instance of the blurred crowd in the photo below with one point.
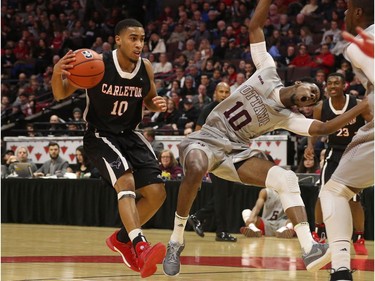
(192, 44)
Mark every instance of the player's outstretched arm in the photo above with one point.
(319, 128)
(366, 43)
(258, 20)
(61, 88)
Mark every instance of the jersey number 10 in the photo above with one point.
(233, 116)
(119, 108)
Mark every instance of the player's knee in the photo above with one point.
(194, 169)
(155, 193)
(282, 181)
(285, 183)
(332, 195)
(337, 189)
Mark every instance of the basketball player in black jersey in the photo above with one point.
(123, 156)
(337, 104)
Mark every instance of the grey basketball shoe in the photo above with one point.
(318, 257)
(171, 262)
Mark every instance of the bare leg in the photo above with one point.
(195, 168)
(359, 227)
(261, 172)
(358, 216)
(126, 206)
(318, 212)
(152, 197)
(196, 164)
(254, 172)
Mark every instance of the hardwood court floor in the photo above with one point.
(45, 252)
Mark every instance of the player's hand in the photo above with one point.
(250, 221)
(161, 103)
(308, 153)
(63, 65)
(366, 43)
(367, 109)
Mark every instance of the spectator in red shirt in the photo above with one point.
(21, 51)
(302, 59)
(324, 60)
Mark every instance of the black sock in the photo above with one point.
(139, 238)
(357, 235)
(320, 229)
(123, 236)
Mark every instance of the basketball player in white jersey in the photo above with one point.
(260, 105)
(356, 168)
(273, 221)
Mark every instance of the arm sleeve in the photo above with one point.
(260, 56)
(298, 125)
(361, 61)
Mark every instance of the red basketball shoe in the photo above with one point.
(149, 257)
(359, 247)
(320, 239)
(126, 251)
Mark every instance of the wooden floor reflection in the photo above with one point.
(41, 252)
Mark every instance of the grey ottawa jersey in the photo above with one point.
(249, 112)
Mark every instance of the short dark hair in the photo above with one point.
(337, 74)
(52, 143)
(149, 131)
(124, 24)
(9, 151)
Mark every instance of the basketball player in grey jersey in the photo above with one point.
(258, 106)
(356, 168)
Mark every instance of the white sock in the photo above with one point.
(340, 254)
(134, 233)
(179, 228)
(288, 226)
(253, 227)
(304, 236)
(246, 214)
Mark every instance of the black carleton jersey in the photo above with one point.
(341, 138)
(116, 103)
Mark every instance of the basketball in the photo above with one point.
(88, 69)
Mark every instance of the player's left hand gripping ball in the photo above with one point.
(88, 69)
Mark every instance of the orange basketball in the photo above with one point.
(88, 69)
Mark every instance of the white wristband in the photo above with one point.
(253, 227)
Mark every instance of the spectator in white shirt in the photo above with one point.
(334, 31)
(163, 65)
(156, 44)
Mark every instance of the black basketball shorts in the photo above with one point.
(114, 154)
